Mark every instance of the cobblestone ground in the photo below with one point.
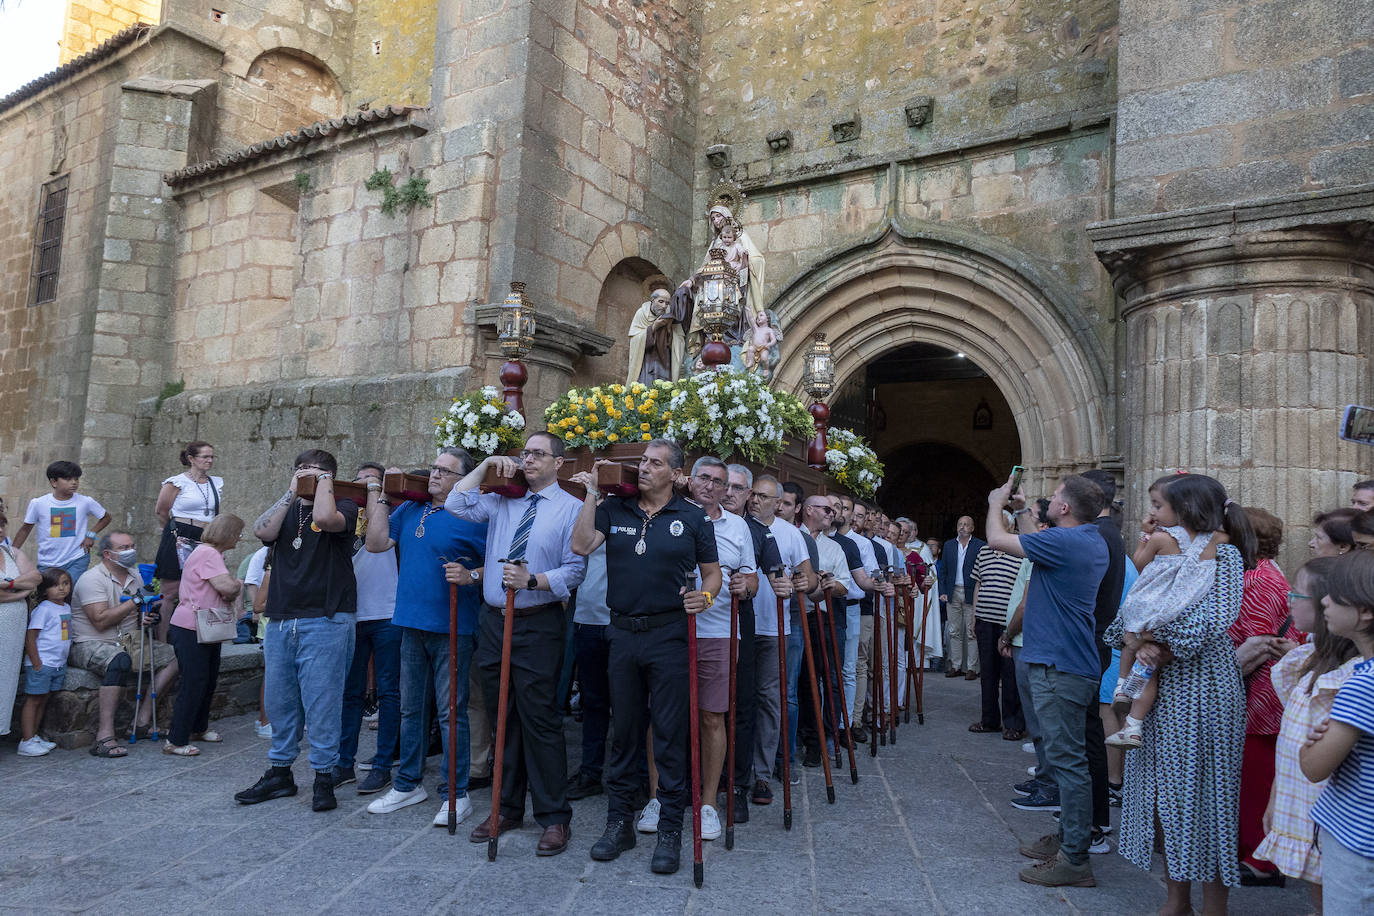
(929, 829)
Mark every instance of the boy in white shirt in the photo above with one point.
(61, 518)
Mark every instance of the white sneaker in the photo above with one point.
(462, 807)
(395, 800)
(36, 748)
(648, 818)
(710, 823)
(1030, 770)
(45, 742)
(264, 730)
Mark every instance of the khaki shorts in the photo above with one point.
(713, 674)
(95, 655)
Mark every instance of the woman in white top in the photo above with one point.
(186, 503)
(17, 579)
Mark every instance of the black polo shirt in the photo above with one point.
(676, 541)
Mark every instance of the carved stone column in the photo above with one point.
(1247, 330)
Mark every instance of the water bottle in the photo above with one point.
(1135, 682)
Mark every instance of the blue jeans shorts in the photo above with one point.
(47, 680)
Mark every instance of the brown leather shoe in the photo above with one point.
(953, 672)
(482, 832)
(554, 840)
(971, 676)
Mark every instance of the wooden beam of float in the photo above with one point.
(403, 487)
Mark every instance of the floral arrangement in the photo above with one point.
(850, 461)
(481, 423)
(607, 414)
(728, 411)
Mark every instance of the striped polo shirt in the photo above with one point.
(995, 572)
(1343, 810)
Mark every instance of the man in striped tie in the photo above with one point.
(528, 540)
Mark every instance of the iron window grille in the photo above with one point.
(47, 254)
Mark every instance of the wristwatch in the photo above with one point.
(476, 575)
(532, 583)
(324, 476)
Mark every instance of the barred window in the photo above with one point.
(47, 252)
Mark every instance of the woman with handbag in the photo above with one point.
(185, 505)
(201, 622)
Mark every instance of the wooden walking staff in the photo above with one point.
(839, 689)
(809, 657)
(780, 571)
(875, 677)
(892, 666)
(921, 662)
(694, 735)
(730, 736)
(452, 709)
(502, 703)
(910, 617)
(827, 678)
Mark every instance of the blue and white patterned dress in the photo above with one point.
(1188, 771)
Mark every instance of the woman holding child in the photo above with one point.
(1184, 775)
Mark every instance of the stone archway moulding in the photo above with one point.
(899, 289)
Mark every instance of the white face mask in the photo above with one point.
(126, 558)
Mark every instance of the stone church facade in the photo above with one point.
(1146, 220)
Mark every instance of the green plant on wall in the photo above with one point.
(411, 194)
(170, 390)
(303, 181)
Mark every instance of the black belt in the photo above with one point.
(527, 611)
(642, 624)
(854, 602)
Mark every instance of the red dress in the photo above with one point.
(1263, 608)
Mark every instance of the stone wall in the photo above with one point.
(393, 52)
(1223, 100)
(258, 430)
(90, 22)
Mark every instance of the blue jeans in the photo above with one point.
(424, 679)
(849, 643)
(1061, 704)
(1023, 687)
(75, 568)
(794, 667)
(379, 639)
(306, 663)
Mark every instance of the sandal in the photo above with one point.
(208, 737)
(1127, 738)
(108, 747)
(181, 750)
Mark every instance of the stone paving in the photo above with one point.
(928, 830)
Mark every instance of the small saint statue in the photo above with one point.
(657, 337)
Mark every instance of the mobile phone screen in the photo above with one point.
(1016, 473)
(1358, 424)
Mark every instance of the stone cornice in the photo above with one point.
(569, 339)
(1189, 247)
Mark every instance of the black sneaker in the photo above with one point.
(277, 782)
(667, 853)
(479, 782)
(584, 786)
(860, 734)
(375, 781)
(1028, 787)
(812, 758)
(323, 796)
(741, 805)
(763, 795)
(619, 836)
(1043, 799)
(343, 776)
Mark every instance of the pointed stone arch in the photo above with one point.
(901, 288)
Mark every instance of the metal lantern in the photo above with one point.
(717, 306)
(516, 328)
(818, 372)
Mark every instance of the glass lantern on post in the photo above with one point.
(515, 329)
(818, 378)
(717, 307)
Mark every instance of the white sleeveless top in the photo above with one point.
(196, 500)
(1170, 584)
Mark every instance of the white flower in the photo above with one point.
(516, 421)
(746, 433)
(469, 441)
(490, 410)
(489, 392)
(856, 452)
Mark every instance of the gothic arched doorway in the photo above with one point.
(924, 296)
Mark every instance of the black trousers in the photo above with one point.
(997, 675)
(199, 666)
(648, 677)
(592, 652)
(535, 755)
(1096, 739)
(745, 710)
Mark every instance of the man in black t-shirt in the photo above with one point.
(654, 543)
(313, 598)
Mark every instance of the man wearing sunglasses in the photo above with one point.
(436, 550)
(529, 539)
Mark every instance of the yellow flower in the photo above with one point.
(591, 418)
(644, 427)
(617, 389)
(630, 403)
(568, 436)
(666, 415)
(646, 437)
(612, 438)
(589, 404)
(579, 430)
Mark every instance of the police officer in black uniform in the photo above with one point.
(654, 541)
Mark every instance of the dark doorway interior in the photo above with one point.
(933, 483)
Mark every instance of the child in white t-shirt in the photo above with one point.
(61, 519)
(45, 656)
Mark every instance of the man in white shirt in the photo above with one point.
(956, 589)
(796, 570)
(835, 579)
